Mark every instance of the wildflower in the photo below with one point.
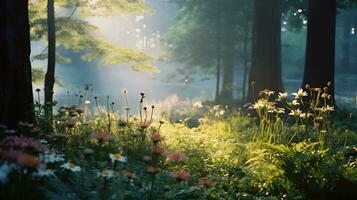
(86, 102)
(300, 93)
(117, 157)
(303, 115)
(216, 107)
(73, 113)
(70, 123)
(144, 125)
(326, 89)
(280, 110)
(106, 173)
(327, 109)
(43, 173)
(101, 135)
(28, 160)
(260, 104)
(52, 158)
(206, 182)
(22, 143)
(181, 176)
(79, 110)
(307, 86)
(176, 156)
(266, 92)
(129, 174)
(317, 89)
(324, 95)
(295, 113)
(198, 104)
(295, 103)
(282, 96)
(220, 113)
(153, 170)
(25, 125)
(72, 167)
(156, 137)
(159, 150)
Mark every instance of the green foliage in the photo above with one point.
(38, 76)
(202, 27)
(219, 158)
(75, 33)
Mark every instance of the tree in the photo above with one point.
(16, 96)
(229, 53)
(266, 48)
(320, 45)
(51, 60)
(73, 32)
(205, 39)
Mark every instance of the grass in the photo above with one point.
(196, 151)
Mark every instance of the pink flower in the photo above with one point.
(181, 176)
(176, 156)
(21, 143)
(144, 125)
(206, 182)
(156, 137)
(101, 135)
(158, 150)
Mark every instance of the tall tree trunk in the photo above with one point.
(266, 48)
(320, 47)
(228, 71)
(228, 53)
(244, 85)
(16, 95)
(346, 35)
(50, 74)
(218, 54)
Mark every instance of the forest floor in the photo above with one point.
(272, 149)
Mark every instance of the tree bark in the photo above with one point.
(50, 74)
(266, 48)
(16, 97)
(320, 47)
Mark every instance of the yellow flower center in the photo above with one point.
(71, 165)
(117, 156)
(106, 173)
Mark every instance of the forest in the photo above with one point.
(178, 99)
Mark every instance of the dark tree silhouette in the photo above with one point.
(320, 44)
(228, 52)
(51, 61)
(16, 96)
(266, 48)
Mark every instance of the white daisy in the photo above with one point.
(118, 157)
(71, 166)
(106, 173)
